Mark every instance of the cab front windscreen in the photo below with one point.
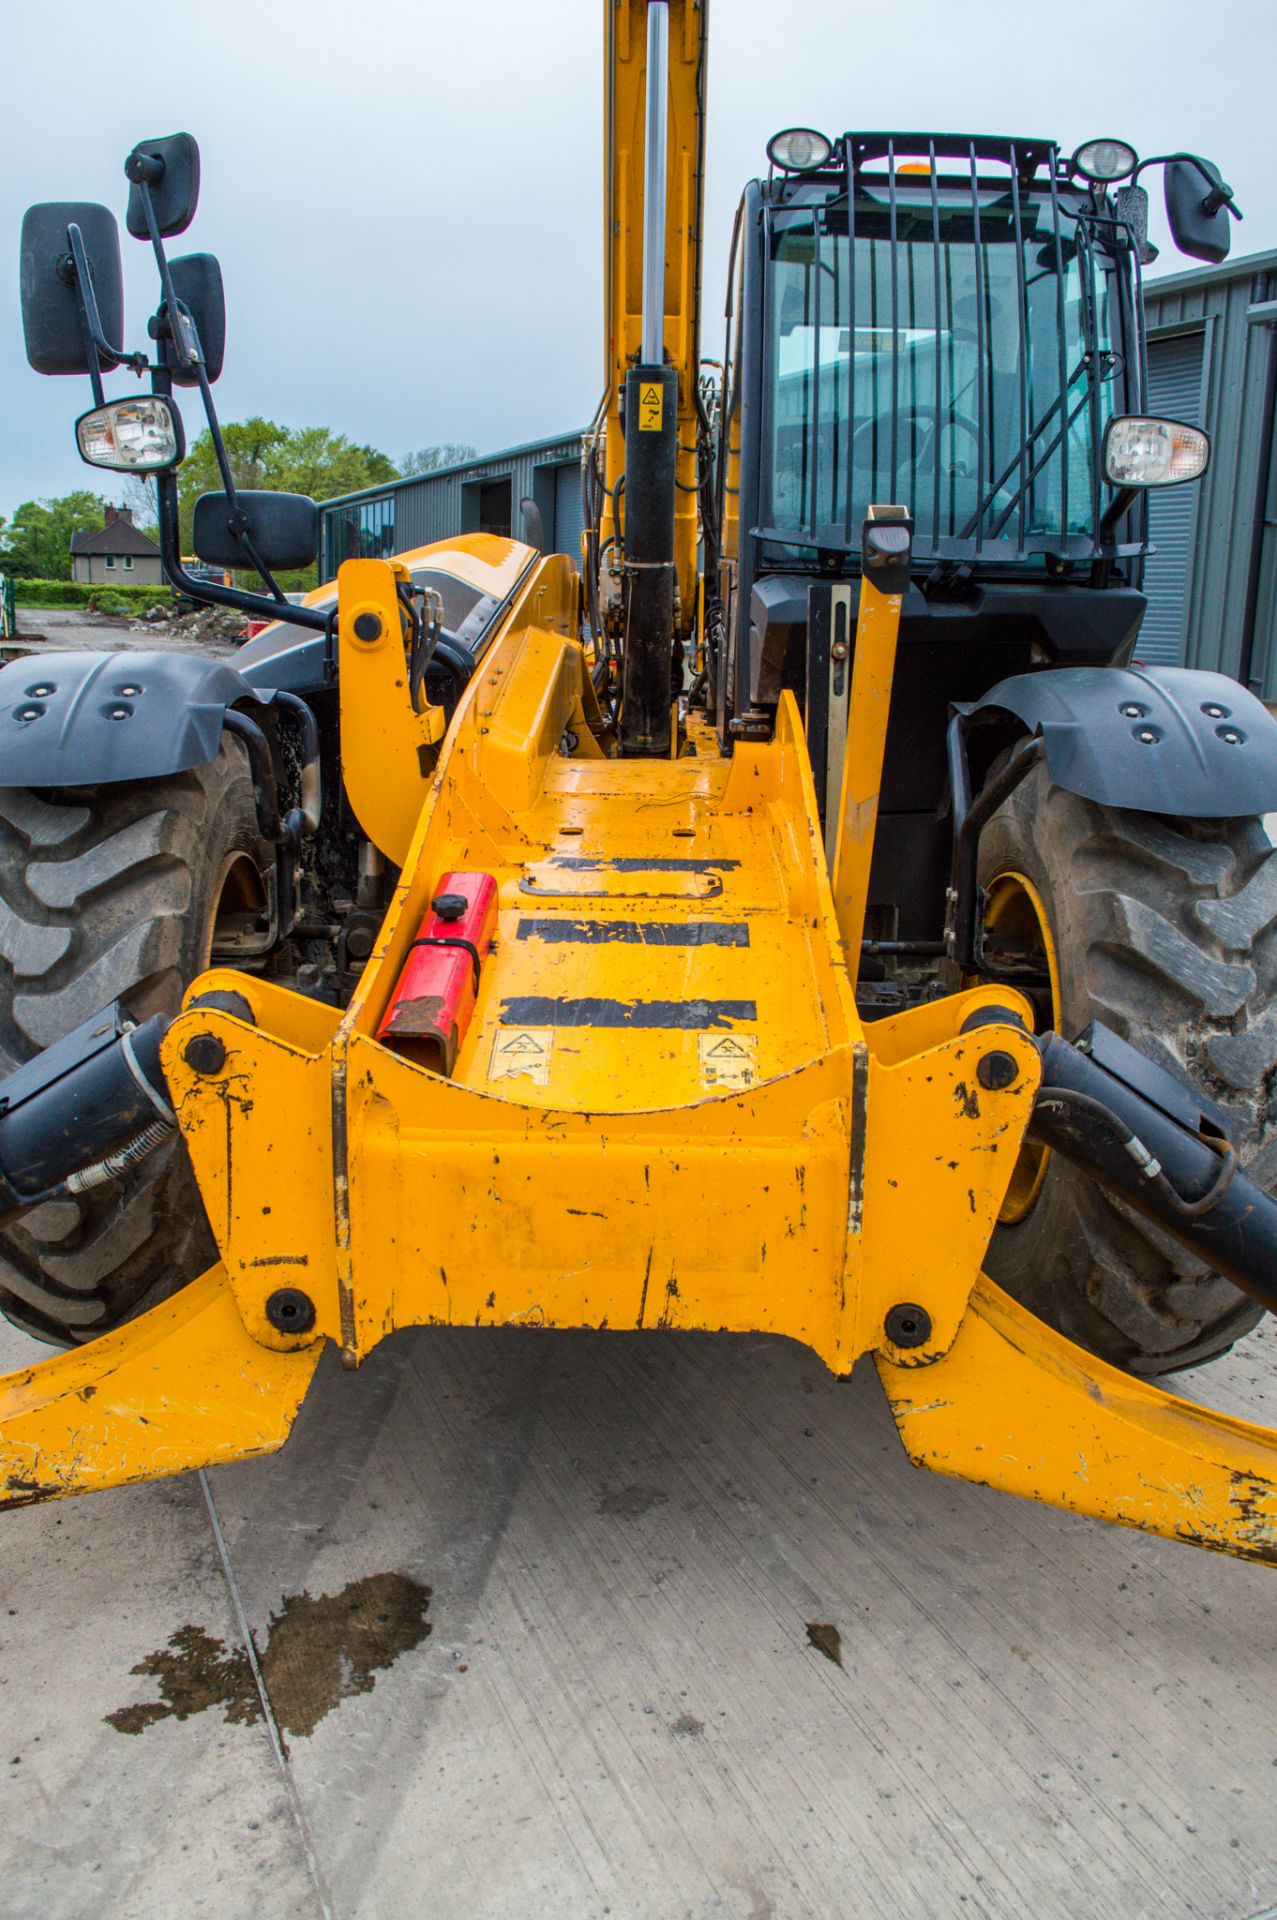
(947, 349)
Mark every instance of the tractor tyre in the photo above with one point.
(113, 893)
(1166, 930)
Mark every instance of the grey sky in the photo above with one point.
(406, 197)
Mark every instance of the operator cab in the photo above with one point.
(951, 324)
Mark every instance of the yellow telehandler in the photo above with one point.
(803, 915)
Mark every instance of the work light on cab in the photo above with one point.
(798, 150)
(1104, 160)
(1140, 452)
(132, 436)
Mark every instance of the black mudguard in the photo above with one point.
(87, 719)
(1169, 740)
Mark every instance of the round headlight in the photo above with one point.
(798, 150)
(1104, 160)
(1141, 452)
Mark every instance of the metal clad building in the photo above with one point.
(479, 496)
(1212, 584)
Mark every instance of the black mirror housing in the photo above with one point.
(171, 167)
(51, 321)
(283, 528)
(197, 282)
(1201, 233)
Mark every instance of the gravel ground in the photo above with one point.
(42, 629)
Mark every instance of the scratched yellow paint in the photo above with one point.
(205, 1391)
(1017, 1406)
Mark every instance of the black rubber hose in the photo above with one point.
(1190, 1186)
(262, 769)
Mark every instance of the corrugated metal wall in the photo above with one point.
(434, 506)
(1215, 308)
(1174, 393)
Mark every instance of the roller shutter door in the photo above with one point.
(568, 521)
(1174, 393)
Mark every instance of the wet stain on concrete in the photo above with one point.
(195, 1673)
(317, 1653)
(826, 1639)
(687, 1726)
(630, 1502)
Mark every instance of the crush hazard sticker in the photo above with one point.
(651, 406)
(728, 1059)
(522, 1053)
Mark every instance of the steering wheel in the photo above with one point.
(933, 423)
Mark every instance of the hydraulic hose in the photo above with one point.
(1137, 1129)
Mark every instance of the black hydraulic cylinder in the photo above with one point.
(647, 525)
(1235, 1231)
(77, 1102)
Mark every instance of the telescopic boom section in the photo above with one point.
(654, 138)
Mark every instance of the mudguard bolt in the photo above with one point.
(997, 1071)
(367, 627)
(204, 1053)
(907, 1325)
(289, 1310)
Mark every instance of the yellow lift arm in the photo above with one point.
(624, 146)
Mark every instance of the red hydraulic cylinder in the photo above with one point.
(435, 994)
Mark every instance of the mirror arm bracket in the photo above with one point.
(203, 592)
(189, 348)
(1118, 507)
(91, 353)
(1220, 194)
(101, 352)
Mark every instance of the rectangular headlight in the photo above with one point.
(132, 436)
(1142, 452)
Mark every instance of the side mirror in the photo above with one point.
(197, 282)
(170, 167)
(51, 317)
(1197, 209)
(282, 529)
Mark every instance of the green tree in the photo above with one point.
(36, 543)
(263, 454)
(448, 453)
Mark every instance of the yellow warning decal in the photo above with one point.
(728, 1059)
(522, 1053)
(651, 406)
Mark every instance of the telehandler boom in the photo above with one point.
(835, 936)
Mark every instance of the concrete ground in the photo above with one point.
(532, 1614)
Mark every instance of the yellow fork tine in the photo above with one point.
(182, 1386)
(1015, 1405)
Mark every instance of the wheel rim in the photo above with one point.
(1015, 918)
(240, 901)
